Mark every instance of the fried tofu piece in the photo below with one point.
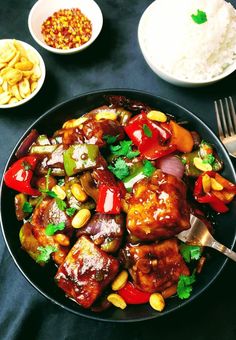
(158, 207)
(155, 267)
(45, 213)
(86, 272)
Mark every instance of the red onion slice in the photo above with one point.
(171, 165)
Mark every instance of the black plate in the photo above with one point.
(42, 278)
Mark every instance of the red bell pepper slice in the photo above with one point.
(19, 175)
(109, 199)
(151, 138)
(214, 202)
(132, 295)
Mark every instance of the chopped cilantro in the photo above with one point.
(184, 286)
(60, 203)
(110, 139)
(45, 253)
(49, 192)
(210, 159)
(148, 168)
(147, 130)
(61, 182)
(27, 207)
(190, 252)
(200, 17)
(70, 211)
(183, 160)
(120, 168)
(52, 228)
(124, 148)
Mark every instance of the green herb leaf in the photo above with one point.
(124, 148)
(27, 207)
(183, 160)
(61, 182)
(190, 252)
(120, 168)
(184, 286)
(200, 17)
(110, 139)
(70, 211)
(210, 159)
(52, 228)
(148, 168)
(49, 192)
(45, 253)
(60, 203)
(147, 130)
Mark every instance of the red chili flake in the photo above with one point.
(66, 29)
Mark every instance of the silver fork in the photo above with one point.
(199, 235)
(226, 123)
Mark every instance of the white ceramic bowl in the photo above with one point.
(142, 38)
(40, 80)
(42, 9)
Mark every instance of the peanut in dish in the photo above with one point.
(104, 200)
(66, 29)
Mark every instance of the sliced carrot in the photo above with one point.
(181, 137)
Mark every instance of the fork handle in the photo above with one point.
(223, 249)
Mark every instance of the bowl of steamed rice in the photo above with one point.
(189, 43)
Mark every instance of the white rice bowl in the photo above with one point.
(179, 46)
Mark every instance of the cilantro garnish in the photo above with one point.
(120, 168)
(183, 160)
(26, 165)
(190, 252)
(49, 192)
(210, 159)
(70, 211)
(60, 203)
(45, 253)
(110, 139)
(148, 168)
(124, 148)
(147, 130)
(184, 286)
(61, 182)
(27, 207)
(52, 228)
(200, 17)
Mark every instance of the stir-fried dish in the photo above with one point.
(105, 196)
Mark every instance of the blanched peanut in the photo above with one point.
(78, 192)
(216, 185)
(72, 123)
(198, 162)
(81, 218)
(120, 280)
(157, 302)
(62, 239)
(59, 192)
(206, 183)
(158, 116)
(117, 300)
(106, 115)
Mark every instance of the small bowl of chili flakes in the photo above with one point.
(65, 27)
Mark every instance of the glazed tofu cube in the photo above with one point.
(86, 272)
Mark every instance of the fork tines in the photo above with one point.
(226, 117)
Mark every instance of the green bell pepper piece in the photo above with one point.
(80, 157)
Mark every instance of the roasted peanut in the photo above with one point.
(120, 280)
(158, 116)
(62, 239)
(59, 192)
(81, 218)
(157, 302)
(78, 192)
(117, 300)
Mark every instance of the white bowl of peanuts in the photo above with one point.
(65, 27)
(22, 73)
